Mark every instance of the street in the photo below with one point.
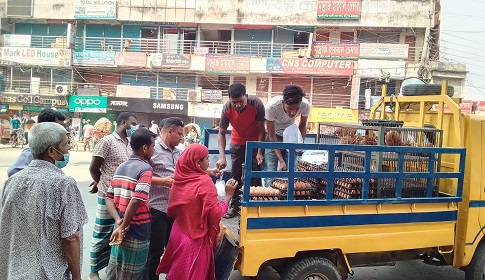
(78, 168)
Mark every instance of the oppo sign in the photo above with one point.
(87, 102)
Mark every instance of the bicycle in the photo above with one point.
(17, 138)
(72, 141)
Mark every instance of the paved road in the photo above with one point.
(78, 168)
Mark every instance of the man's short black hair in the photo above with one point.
(172, 121)
(123, 117)
(141, 137)
(293, 94)
(50, 115)
(236, 90)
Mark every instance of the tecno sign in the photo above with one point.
(87, 102)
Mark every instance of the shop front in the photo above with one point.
(147, 110)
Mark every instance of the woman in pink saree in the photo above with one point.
(197, 211)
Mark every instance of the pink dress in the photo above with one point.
(188, 259)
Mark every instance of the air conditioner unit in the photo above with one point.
(194, 95)
(62, 89)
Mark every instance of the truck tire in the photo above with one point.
(317, 268)
(426, 89)
(476, 269)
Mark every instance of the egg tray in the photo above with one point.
(343, 193)
(284, 190)
(268, 197)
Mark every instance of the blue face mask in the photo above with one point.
(61, 163)
(130, 131)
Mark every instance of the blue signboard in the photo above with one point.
(101, 58)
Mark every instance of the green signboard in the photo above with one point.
(91, 104)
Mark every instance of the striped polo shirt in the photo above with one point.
(132, 179)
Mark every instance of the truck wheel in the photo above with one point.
(476, 269)
(426, 89)
(315, 268)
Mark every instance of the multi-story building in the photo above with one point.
(163, 57)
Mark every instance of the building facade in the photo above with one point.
(185, 53)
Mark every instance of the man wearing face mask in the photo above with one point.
(246, 115)
(281, 112)
(109, 153)
(42, 242)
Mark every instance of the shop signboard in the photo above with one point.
(132, 91)
(205, 110)
(35, 100)
(338, 9)
(38, 109)
(36, 56)
(175, 107)
(227, 64)
(169, 60)
(95, 9)
(316, 67)
(3, 108)
(127, 104)
(87, 104)
(384, 51)
(335, 50)
(334, 115)
(16, 40)
(466, 107)
(211, 95)
(94, 58)
(381, 69)
(131, 59)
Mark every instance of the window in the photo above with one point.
(19, 8)
(383, 37)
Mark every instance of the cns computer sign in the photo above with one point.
(88, 104)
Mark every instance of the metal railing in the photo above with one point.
(29, 87)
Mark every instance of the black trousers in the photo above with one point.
(238, 154)
(160, 232)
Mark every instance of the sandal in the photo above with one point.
(231, 213)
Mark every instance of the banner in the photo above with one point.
(205, 110)
(227, 64)
(384, 51)
(131, 59)
(316, 67)
(338, 9)
(95, 9)
(94, 58)
(16, 40)
(91, 104)
(159, 60)
(334, 115)
(334, 50)
(169, 94)
(132, 91)
(36, 56)
(480, 108)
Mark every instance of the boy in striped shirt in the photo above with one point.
(127, 203)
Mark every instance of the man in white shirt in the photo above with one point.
(280, 113)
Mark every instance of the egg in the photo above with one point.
(277, 192)
(272, 192)
(252, 191)
(267, 191)
(257, 191)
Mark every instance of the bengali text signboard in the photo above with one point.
(338, 9)
(227, 64)
(334, 50)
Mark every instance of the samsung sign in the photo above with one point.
(157, 106)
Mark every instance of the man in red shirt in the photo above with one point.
(246, 115)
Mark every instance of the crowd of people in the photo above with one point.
(154, 199)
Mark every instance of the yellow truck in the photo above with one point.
(418, 199)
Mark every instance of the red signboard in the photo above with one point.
(317, 67)
(338, 9)
(132, 59)
(466, 107)
(331, 50)
(226, 64)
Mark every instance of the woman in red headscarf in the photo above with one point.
(194, 205)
